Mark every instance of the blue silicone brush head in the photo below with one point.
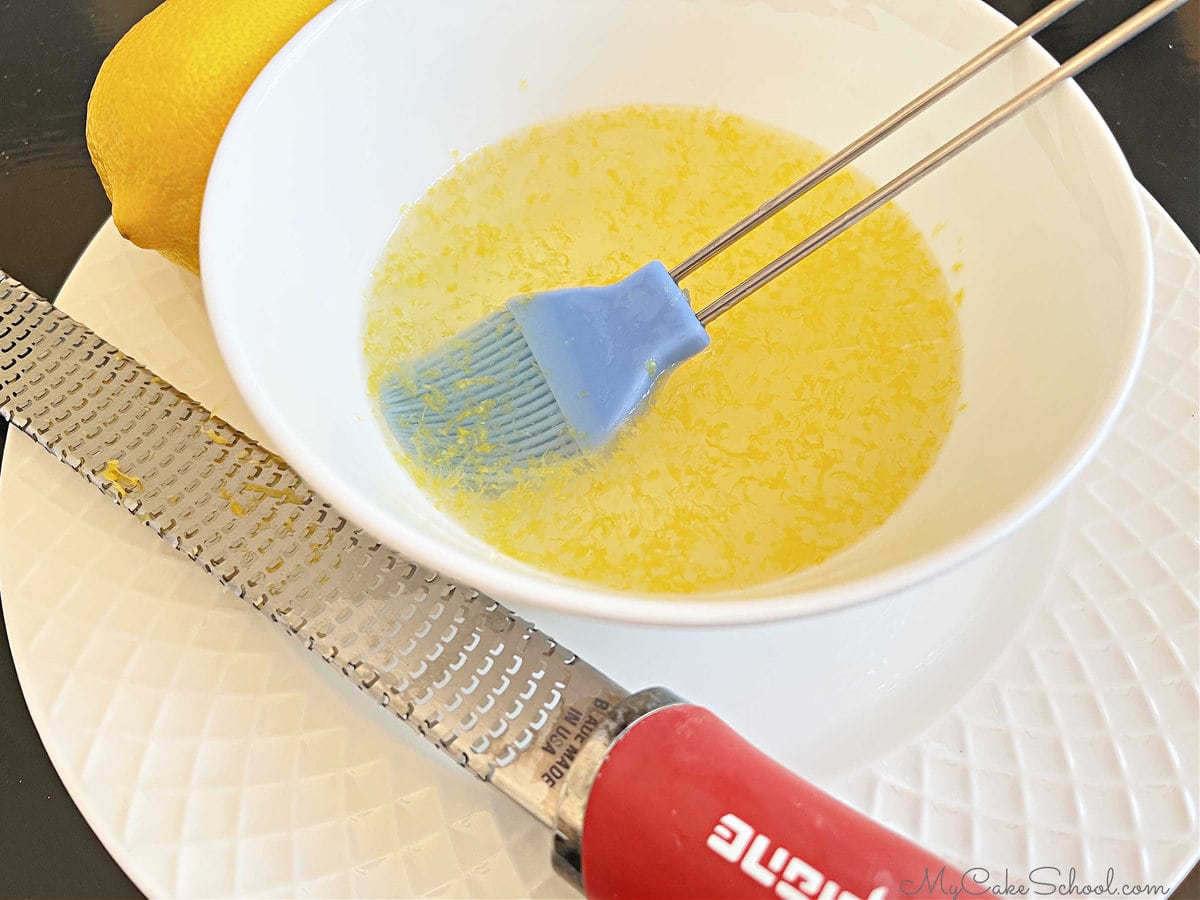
(552, 374)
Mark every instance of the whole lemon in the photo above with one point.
(162, 100)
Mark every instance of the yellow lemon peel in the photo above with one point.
(160, 104)
(122, 482)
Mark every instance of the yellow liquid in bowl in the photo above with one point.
(823, 400)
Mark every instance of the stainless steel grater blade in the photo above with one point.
(477, 680)
(646, 795)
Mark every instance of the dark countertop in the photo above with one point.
(1148, 92)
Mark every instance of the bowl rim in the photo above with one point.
(529, 589)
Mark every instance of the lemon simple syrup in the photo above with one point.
(820, 405)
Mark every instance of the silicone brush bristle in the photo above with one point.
(479, 408)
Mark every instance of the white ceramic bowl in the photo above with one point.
(360, 113)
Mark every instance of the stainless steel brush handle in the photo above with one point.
(1076, 64)
(854, 150)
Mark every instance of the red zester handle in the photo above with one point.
(684, 807)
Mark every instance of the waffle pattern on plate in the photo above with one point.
(215, 760)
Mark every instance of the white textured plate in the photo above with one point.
(215, 758)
